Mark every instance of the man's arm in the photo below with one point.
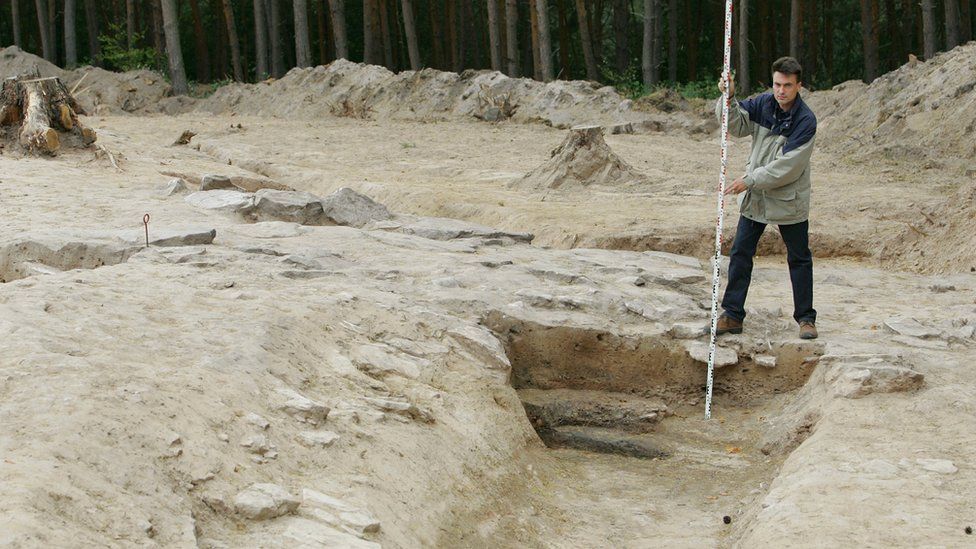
(784, 169)
(739, 123)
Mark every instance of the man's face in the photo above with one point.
(785, 88)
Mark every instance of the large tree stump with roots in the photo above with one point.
(583, 159)
(44, 114)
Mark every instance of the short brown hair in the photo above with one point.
(788, 65)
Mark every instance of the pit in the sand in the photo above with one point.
(594, 390)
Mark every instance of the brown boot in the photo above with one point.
(728, 325)
(808, 330)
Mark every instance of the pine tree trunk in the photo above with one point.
(928, 27)
(694, 23)
(511, 38)
(303, 51)
(743, 73)
(647, 56)
(400, 55)
(46, 46)
(869, 38)
(565, 68)
(436, 37)
(907, 28)
(91, 23)
(159, 40)
(765, 46)
(200, 44)
(452, 34)
(494, 40)
(951, 23)
(260, 40)
(965, 22)
(15, 15)
(70, 35)
(586, 38)
(673, 40)
(595, 16)
(656, 60)
(811, 42)
(829, 39)
(410, 29)
(235, 44)
(369, 34)
(471, 16)
(377, 24)
(220, 51)
(534, 24)
(796, 18)
(386, 34)
(274, 34)
(130, 23)
(325, 36)
(171, 27)
(320, 25)
(545, 45)
(528, 50)
(338, 12)
(621, 24)
(52, 25)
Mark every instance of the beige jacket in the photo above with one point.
(778, 170)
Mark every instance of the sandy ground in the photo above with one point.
(126, 389)
(461, 170)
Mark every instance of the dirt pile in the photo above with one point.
(97, 90)
(15, 61)
(922, 109)
(583, 159)
(941, 241)
(345, 88)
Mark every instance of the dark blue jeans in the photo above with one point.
(798, 257)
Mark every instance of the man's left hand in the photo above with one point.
(736, 187)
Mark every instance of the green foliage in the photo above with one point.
(706, 88)
(629, 84)
(117, 56)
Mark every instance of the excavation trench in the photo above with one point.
(24, 258)
(44, 254)
(623, 419)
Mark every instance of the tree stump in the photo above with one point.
(583, 159)
(44, 112)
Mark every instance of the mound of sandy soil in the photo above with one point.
(106, 92)
(582, 159)
(922, 109)
(353, 89)
(941, 241)
(97, 90)
(344, 88)
(15, 61)
(663, 100)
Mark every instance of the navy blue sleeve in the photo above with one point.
(753, 106)
(802, 133)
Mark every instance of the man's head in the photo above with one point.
(787, 81)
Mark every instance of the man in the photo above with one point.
(774, 190)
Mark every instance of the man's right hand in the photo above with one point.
(721, 86)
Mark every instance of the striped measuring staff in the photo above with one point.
(726, 100)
